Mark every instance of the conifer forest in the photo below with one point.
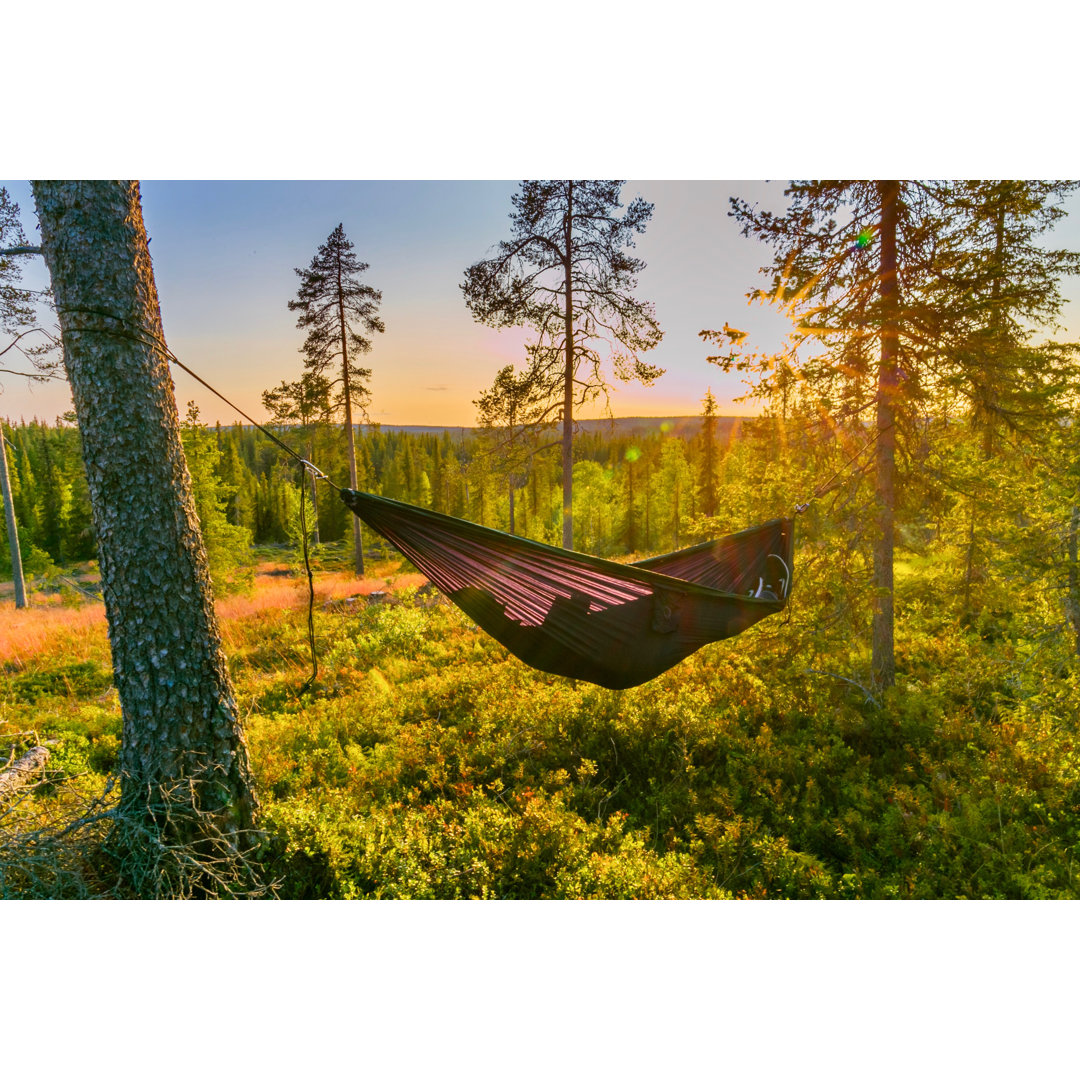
(329, 719)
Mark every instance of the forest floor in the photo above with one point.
(428, 762)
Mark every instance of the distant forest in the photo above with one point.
(640, 484)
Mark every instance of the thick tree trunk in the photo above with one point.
(183, 759)
(358, 539)
(568, 382)
(883, 661)
(12, 526)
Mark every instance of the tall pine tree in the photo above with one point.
(334, 304)
(566, 273)
(851, 262)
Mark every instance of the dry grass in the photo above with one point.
(47, 626)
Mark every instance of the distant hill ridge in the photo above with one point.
(684, 426)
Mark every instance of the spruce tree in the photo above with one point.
(708, 472)
(334, 304)
(505, 413)
(1000, 288)
(566, 273)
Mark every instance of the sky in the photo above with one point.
(224, 254)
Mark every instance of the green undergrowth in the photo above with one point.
(428, 763)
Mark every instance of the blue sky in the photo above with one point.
(224, 254)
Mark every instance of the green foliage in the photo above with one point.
(432, 766)
(74, 680)
(227, 545)
(429, 764)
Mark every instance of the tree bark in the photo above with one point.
(883, 661)
(182, 745)
(568, 381)
(12, 526)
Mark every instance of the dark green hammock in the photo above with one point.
(613, 624)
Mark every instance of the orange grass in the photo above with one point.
(46, 626)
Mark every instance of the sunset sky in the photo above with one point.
(224, 254)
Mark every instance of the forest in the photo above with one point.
(905, 728)
(637, 493)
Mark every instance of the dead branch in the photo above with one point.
(27, 768)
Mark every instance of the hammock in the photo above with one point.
(614, 624)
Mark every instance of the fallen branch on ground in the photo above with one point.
(27, 768)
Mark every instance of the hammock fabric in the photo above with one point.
(614, 624)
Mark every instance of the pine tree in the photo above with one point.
(16, 303)
(852, 262)
(332, 303)
(565, 273)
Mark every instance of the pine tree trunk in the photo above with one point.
(12, 527)
(648, 533)
(883, 661)
(358, 539)
(1072, 602)
(314, 499)
(975, 569)
(568, 382)
(183, 760)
